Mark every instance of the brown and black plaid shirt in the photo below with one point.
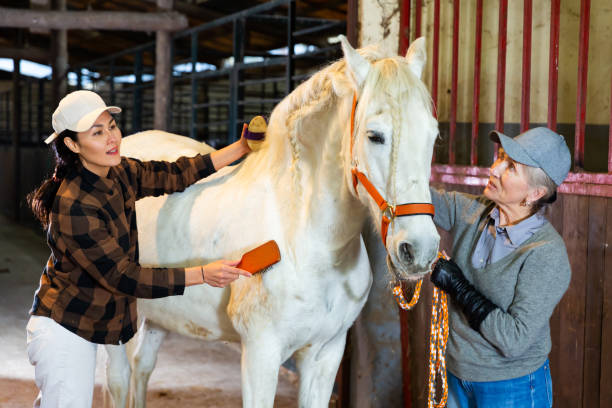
(92, 279)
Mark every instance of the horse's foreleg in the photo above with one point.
(117, 376)
(260, 364)
(318, 365)
(150, 338)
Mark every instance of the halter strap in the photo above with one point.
(389, 212)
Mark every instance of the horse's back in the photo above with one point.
(160, 145)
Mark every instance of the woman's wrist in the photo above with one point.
(203, 277)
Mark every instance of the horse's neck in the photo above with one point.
(322, 190)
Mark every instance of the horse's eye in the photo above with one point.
(376, 137)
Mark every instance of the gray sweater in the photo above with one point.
(526, 284)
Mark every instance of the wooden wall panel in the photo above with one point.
(594, 300)
(568, 385)
(605, 380)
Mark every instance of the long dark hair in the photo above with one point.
(41, 199)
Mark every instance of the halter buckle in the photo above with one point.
(389, 212)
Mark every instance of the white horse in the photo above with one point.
(298, 191)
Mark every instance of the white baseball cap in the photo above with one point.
(78, 111)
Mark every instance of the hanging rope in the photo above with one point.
(438, 337)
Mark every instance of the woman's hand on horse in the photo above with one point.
(223, 272)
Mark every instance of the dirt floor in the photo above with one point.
(188, 373)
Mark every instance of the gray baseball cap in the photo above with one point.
(538, 147)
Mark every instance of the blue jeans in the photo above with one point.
(529, 391)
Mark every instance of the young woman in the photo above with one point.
(509, 270)
(88, 289)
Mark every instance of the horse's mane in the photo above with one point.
(390, 77)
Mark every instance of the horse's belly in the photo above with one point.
(199, 312)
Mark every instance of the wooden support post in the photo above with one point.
(59, 47)
(352, 22)
(163, 72)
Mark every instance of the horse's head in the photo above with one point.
(392, 146)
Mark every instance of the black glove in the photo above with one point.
(448, 276)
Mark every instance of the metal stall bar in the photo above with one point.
(236, 75)
(476, 94)
(501, 67)
(610, 133)
(583, 60)
(137, 94)
(436, 48)
(404, 27)
(553, 63)
(290, 45)
(418, 14)
(526, 83)
(455, 69)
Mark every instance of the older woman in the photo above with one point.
(509, 270)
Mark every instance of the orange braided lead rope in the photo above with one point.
(438, 337)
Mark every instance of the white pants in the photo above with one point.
(64, 364)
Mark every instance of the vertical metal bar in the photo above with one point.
(194, 84)
(501, 67)
(41, 111)
(404, 27)
(476, 95)
(583, 60)
(137, 94)
(553, 63)
(436, 47)
(290, 45)
(418, 14)
(238, 48)
(526, 83)
(111, 82)
(30, 107)
(454, 75)
(16, 136)
(610, 133)
(79, 74)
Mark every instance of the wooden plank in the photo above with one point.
(92, 20)
(555, 216)
(568, 390)
(605, 396)
(594, 300)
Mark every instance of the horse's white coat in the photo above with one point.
(298, 191)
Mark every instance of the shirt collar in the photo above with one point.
(104, 184)
(518, 233)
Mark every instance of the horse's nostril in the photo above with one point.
(406, 253)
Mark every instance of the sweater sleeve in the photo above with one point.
(155, 178)
(98, 254)
(542, 281)
(448, 205)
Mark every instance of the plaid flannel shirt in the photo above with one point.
(92, 279)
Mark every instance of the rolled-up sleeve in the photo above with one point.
(100, 256)
(155, 178)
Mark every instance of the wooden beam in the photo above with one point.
(92, 20)
(28, 53)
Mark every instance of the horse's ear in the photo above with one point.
(357, 65)
(417, 56)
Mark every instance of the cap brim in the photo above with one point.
(88, 120)
(51, 138)
(514, 150)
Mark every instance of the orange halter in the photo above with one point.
(438, 335)
(389, 212)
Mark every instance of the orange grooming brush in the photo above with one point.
(260, 258)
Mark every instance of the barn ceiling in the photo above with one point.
(262, 35)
